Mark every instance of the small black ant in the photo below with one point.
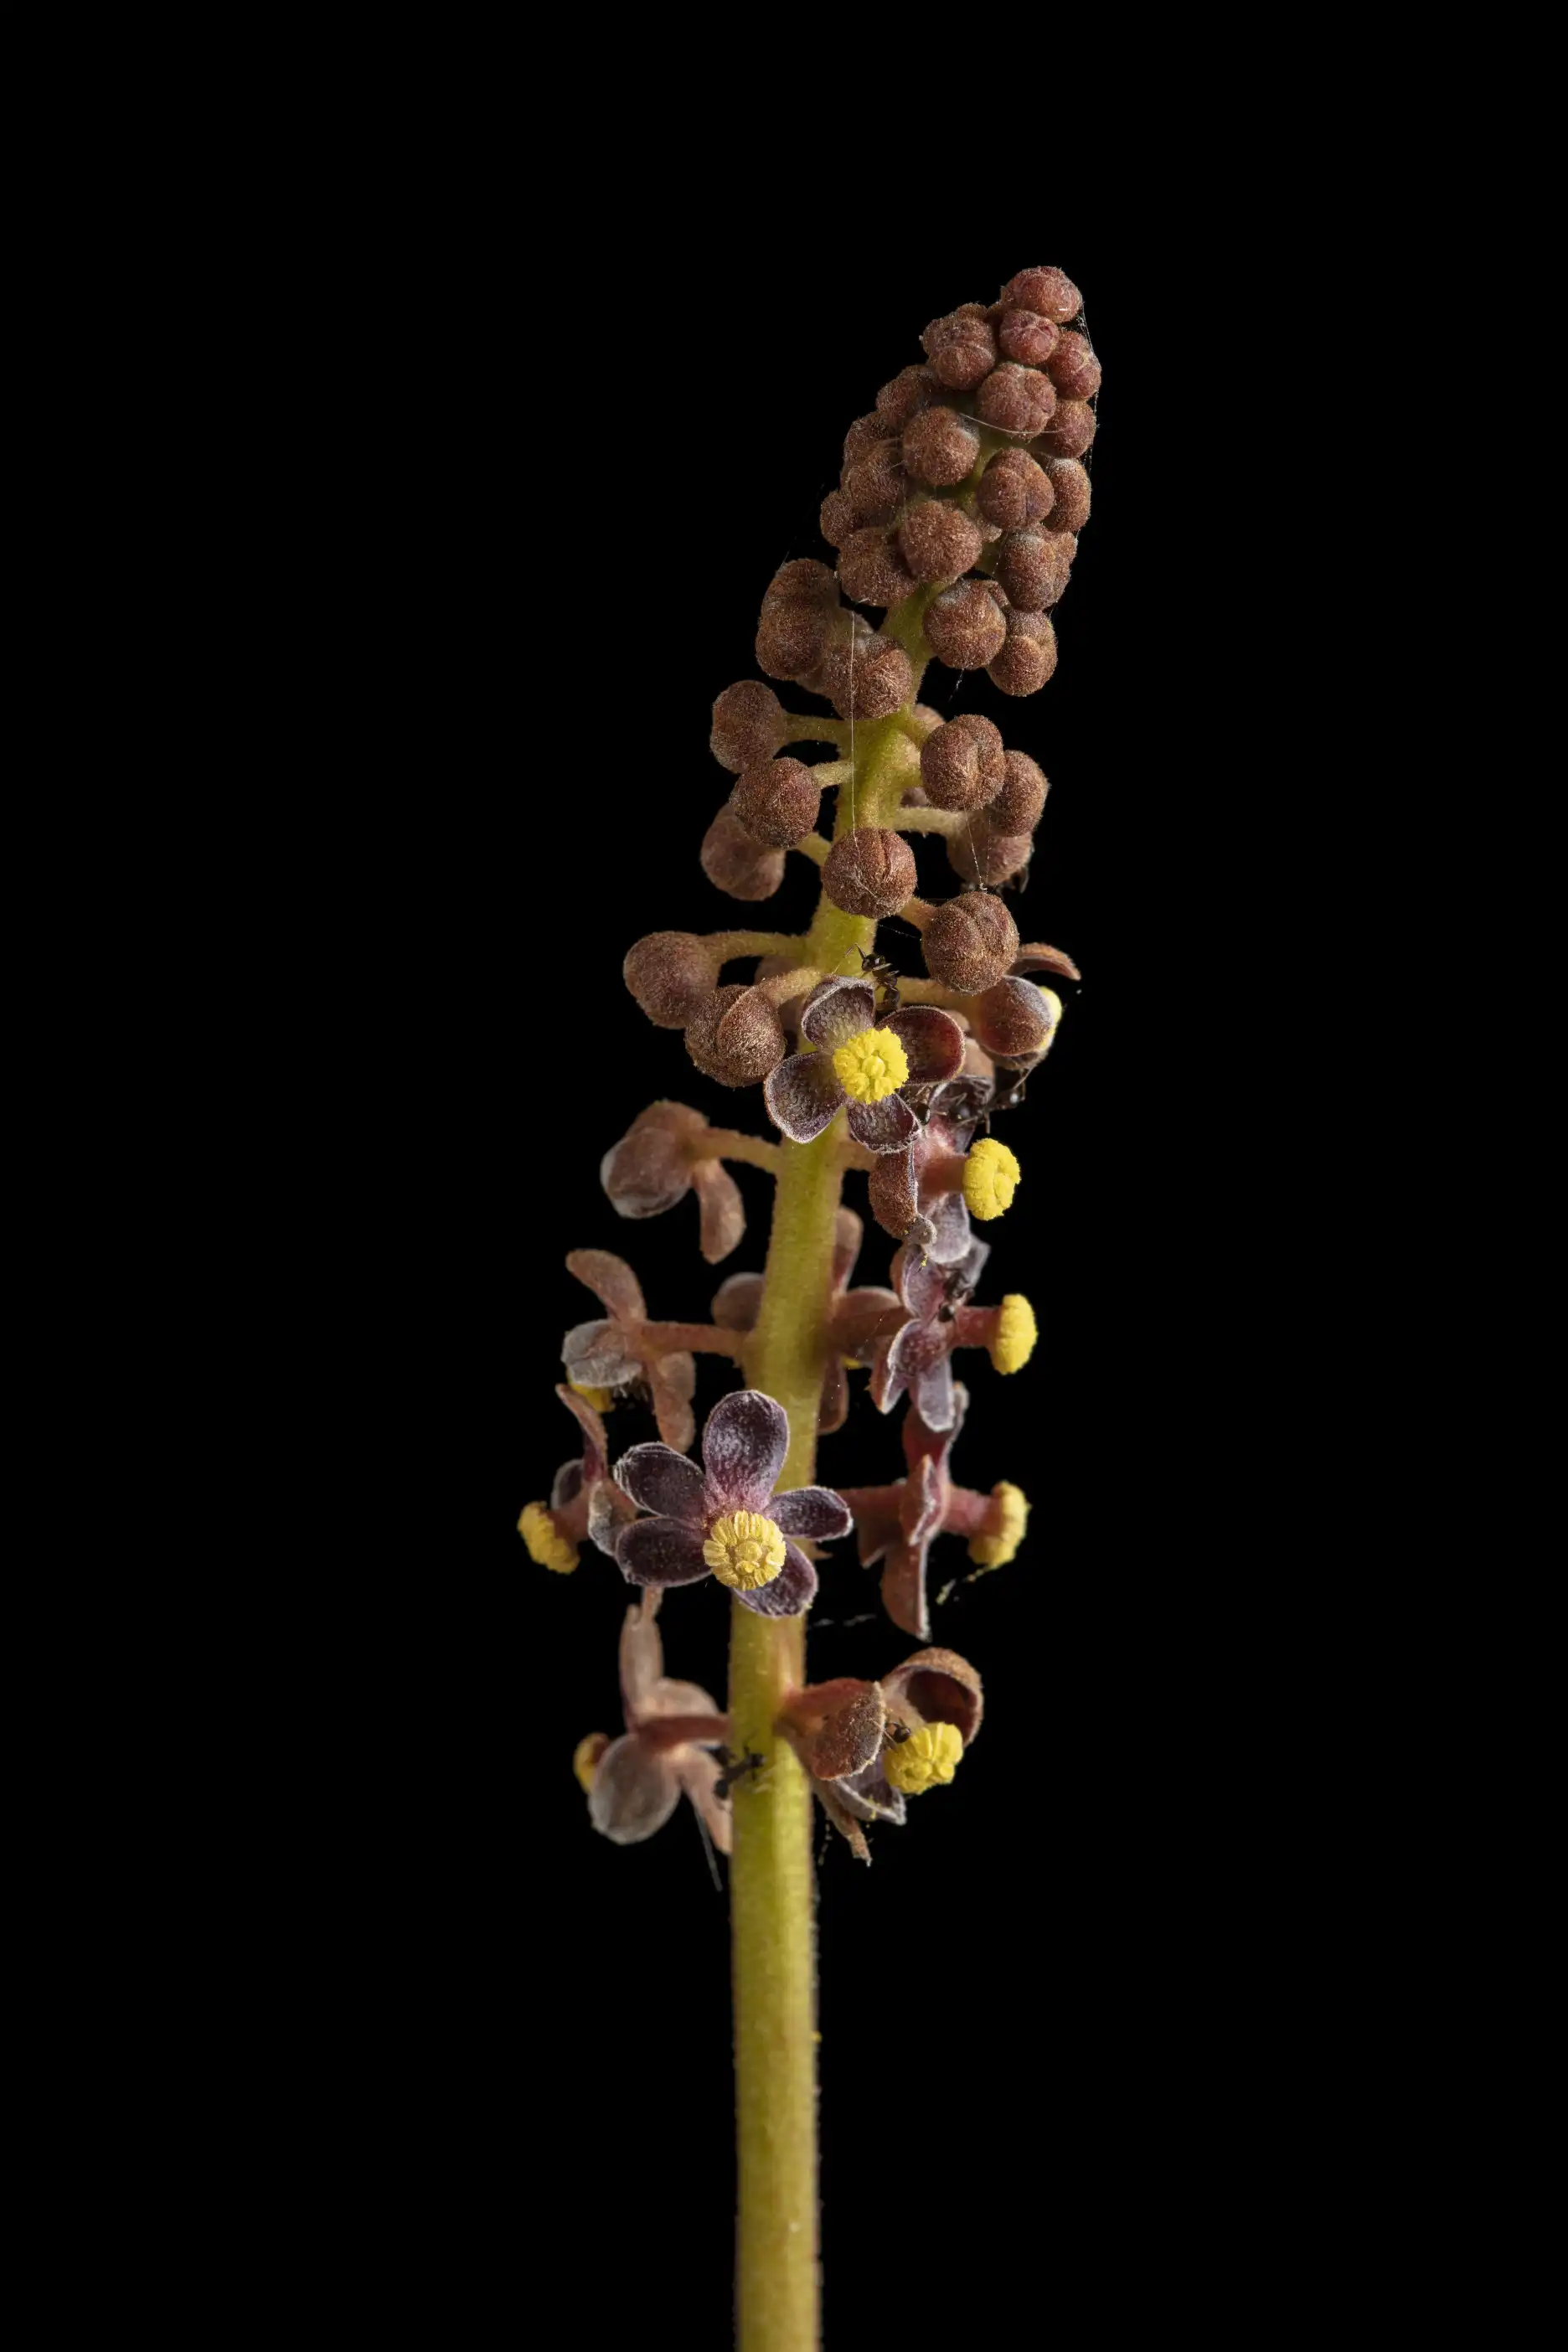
(735, 1768)
(884, 977)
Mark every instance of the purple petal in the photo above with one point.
(671, 1384)
(609, 1512)
(611, 1279)
(922, 1509)
(837, 1011)
(597, 1354)
(921, 1444)
(971, 1267)
(869, 1796)
(801, 1095)
(833, 1403)
(904, 1588)
(660, 1552)
(743, 1447)
(849, 1232)
(596, 1451)
(721, 1210)
(950, 1234)
(697, 1773)
(932, 1393)
(663, 1482)
(932, 1040)
(792, 1589)
(642, 1656)
(736, 1301)
(814, 1511)
(885, 1126)
(886, 1379)
(635, 1791)
(568, 1486)
(923, 1285)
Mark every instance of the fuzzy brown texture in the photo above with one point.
(870, 872)
(869, 570)
(874, 485)
(1070, 432)
(736, 863)
(980, 854)
(1073, 368)
(940, 448)
(1016, 807)
(911, 390)
(671, 975)
(1070, 484)
(835, 1727)
(1012, 1019)
(748, 725)
(1014, 491)
(963, 626)
(1032, 566)
(1016, 400)
(865, 435)
(1028, 658)
(937, 541)
(937, 1686)
(1049, 293)
(969, 942)
(961, 348)
(1025, 337)
(836, 519)
(797, 612)
(776, 802)
(963, 763)
(736, 1037)
(864, 676)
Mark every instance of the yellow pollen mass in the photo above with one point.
(990, 1178)
(602, 1400)
(996, 1550)
(744, 1550)
(545, 1542)
(928, 1759)
(585, 1758)
(1017, 1332)
(872, 1066)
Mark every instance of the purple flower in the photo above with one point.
(933, 1687)
(898, 1524)
(916, 1354)
(866, 1063)
(917, 1192)
(724, 1519)
(583, 1501)
(603, 1354)
(635, 1783)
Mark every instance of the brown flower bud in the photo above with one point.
(797, 612)
(969, 942)
(963, 626)
(736, 1037)
(649, 1170)
(1032, 566)
(1016, 399)
(1014, 1021)
(1070, 485)
(870, 872)
(1073, 368)
(1014, 491)
(1049, 293)
(937, 541)
(1070, 432)
(961, 347)
(1023, 336)
(748, 725)
(776, 801)
(837, 517)
(1028, 658)
(979, 853)
(910, 390)
(863, 437)
(869, 570)
(926, 720)
(670, 974)
(1016, 807)
(735, 863)
(963, 763)
(940, 448)
(875, 484)
(864, 675)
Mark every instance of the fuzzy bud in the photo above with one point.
(648, 1171)
(837, 517)
(671, 975)
(979, 853)
(1014, 490)
(963, 763)
(863, 437)
(1025, 337)
(1016, 400)
(865, 676)
(870, 872)
(735, 863)
(748, 725)
(964, 626)
(1028, 658)
(940, 448)
(898, 403)
(798, 612)
(736, 1037)
(937, 541)
(1032, 566)
(1073, 368)
(961, 348)
(1070, 432)
(969, 942)
(1014, 1021)
(1049, 293)
(776, 802)
(1016, 807)
(875, 484)
(1070, 484)
(869, 570)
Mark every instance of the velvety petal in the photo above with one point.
(971, 1267)
(634, 1794)
(814, 1511)
(596, 1450)
(933, 1393)
(892, 1187)
(723, 1214)
(735, 1302)
(904, 1588)
(609, 1512)
(837, 1011)
(941, 1687)
(932, 1043)
(950, 1235)
(665, 1733)
(1038, 958)
(671, 1698)
(833, 1403)
(597, 1354)
(885, 1126)
(699, 1774)
(922, 1444)
(801, 1095)
(835, 1728)
(842, 1820)
(870, 1795)
(849, 1232)
(919, 1512)
(792, 1589)
(671, 1384)
(743, 1447)
(876, 1524)
(611, 1279)
(663, 1482)
(660, 1552)
(861, 1318)
(922, 1287)
(641, 1657)
(888, 1381)
(637, 1185)
(566, 1485)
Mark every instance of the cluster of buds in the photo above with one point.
(957, 512)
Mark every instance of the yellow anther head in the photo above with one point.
(585, 1758)
(602, 1400)
(1017, 1332)
(744, 1550)
(995, 1550)
(927, 1757)
(990, 1178)
(545, 1542)
(871, 1066)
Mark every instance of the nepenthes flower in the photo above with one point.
(724, 1519)
(867, 1063)
(635, 1783)
(898, 1524)
(869, 1746)
(584, 1499)
(916, 1354)
(927, 1192)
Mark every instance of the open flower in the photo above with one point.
(724, 1519)
(898, 1524)
(915, 1355)
(635, 1783)
(616, 1353)
(926, 1192)
(924, 1715)
(584, 1500)
(869, 1063)
(854, 1317)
